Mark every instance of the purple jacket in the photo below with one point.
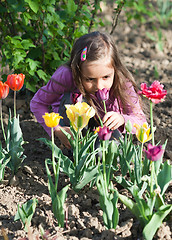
(62, 82)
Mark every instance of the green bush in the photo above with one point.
(37, 35)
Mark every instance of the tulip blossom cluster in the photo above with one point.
(4, 90)
(155, 92)
(79, 114)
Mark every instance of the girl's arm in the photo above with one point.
(51, 94)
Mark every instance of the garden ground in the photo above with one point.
(142, 57)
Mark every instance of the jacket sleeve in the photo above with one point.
(134, 113)
(51, 94)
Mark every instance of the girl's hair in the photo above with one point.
(100, 45)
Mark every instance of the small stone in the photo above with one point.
(73, 210)
(80, 224)
(87, 234)
(108, 234)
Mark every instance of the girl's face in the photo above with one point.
(97, 75)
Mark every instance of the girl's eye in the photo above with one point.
(105, 77)
(89, 79)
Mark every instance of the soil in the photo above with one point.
(141, 56)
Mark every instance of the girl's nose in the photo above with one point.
(99, 84)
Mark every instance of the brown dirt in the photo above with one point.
(140, 55)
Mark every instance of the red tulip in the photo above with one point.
(102, 95)
(154, 153)
(15, 81)
(104, 133)
(4, 90)
(155, 92)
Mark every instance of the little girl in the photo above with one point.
(94, 64)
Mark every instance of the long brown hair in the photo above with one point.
(98, 46)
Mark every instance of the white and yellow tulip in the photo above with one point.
(79, 114)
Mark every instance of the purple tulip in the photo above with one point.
(104, 133)
(102, 95)
(154, 153)
(76, 97)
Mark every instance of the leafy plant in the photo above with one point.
(35, 32)
(149, 178)
(12, 156)
(14, 150)
(3, 162)
(26, 212)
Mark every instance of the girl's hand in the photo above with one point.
(63, 139)
(113, 120)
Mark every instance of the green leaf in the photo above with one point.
(71, 7)
(149, 35)
(14, 144)
(42, 74)
(156, 221)
(26, 43)
(89, 174)
(164, 177)
(32, 64)
(130, 204)
(34, 5)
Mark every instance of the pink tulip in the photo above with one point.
(155, 92)
(103, 95)
(104, 133)
(154, 153)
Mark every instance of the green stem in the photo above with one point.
(2, 125)
(152, 175)
(141, 151)
(53, 158)
(151, 118)
(101, 123)
(76, 148)
(14, 104)
(104, 167)
(104, 104)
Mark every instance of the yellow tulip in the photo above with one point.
(52, 119)
(79, 114)
(143, 132)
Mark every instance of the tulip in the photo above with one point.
(154, 153)
(143, 132)
(15, 81)
(79, 114)
(155, 92)
(4, 90)
(103, 132)
(52, 119)
(102, 95)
